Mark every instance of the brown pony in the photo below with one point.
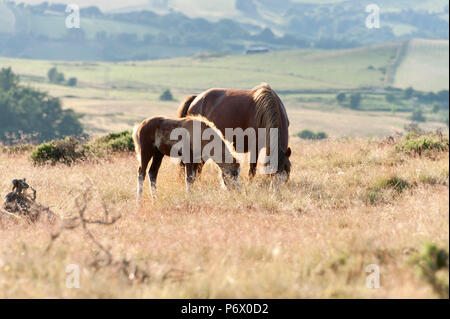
(152, 139)
(257, 108)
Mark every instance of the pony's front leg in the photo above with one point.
(253, 165)
(191, 171)
(153, 172)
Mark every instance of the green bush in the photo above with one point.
(113, 142)
(54, 76)
(393, 182)
(72, 82)
(417, 115)
(379, 191)
(433, 266)
(66, 151)
(166, 96)
(355, 101)
(310, 135)
(71, 150)
(414, 144)
(341, 97)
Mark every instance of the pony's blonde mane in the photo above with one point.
(211, 125)
(267, 113)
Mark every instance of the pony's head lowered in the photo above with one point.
(227, 160)
(270, 113)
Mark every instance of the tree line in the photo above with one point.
(29, 115)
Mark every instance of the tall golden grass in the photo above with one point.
(313, 238)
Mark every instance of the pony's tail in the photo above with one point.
(184, 107)
(267, 114)
(137, 142)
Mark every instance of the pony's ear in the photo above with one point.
(288, 152)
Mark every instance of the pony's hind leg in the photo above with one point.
(153, 172)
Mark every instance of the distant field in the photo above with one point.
(425, 66)
(115, 95)
(284, 70)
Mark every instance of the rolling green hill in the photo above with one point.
(115, 95)
(425, 66)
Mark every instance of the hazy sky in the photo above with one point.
(188, 6)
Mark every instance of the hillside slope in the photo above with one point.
(425, 66)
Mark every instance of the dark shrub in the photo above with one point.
(72, 82)
(310, 135)
(414, 144)
(355, 101)
(341, 97)
(166, 96)
(114, 142)
(417, 115)
(66, 151)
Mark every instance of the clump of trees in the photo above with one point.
(29, 112)
(354, 101)
(417, 115)
(56, 77)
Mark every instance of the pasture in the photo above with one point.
(352, 200)
(339, 213)
(113, 96)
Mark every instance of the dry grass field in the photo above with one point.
(349, 203)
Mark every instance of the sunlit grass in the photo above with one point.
(312, 238)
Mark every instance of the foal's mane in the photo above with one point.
(211, 125)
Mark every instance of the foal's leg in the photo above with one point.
(191, 171)
(146, 156)
(153, 172)
(253, 165)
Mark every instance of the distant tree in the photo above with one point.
(355, 101)
(51, 74)
(266, 35)
(54, 76)
(341, 97)
(166, 96)
(26, 111)
(91, 11)
(436, 108)
(443, 96)
(72, 82)
(409, 92)
(8, 79)
(390, 98)
(417, 115)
